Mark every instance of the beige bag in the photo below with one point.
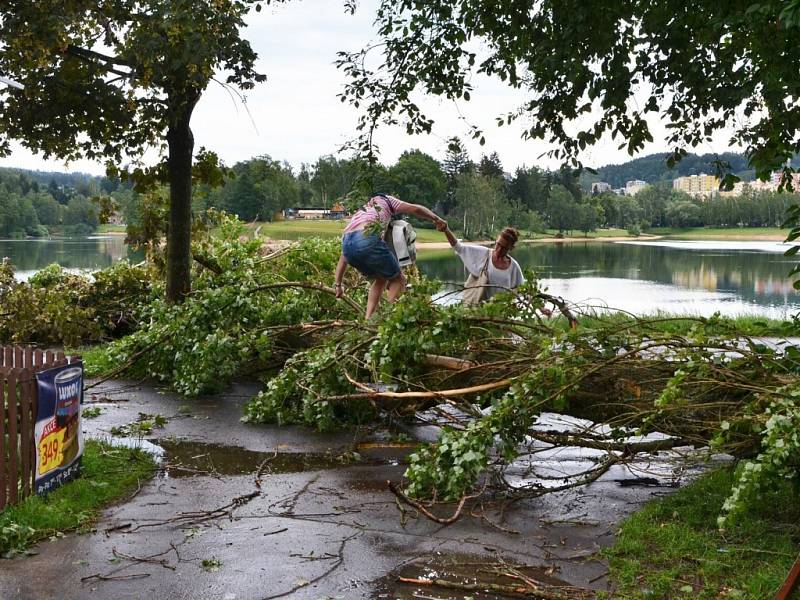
(475, 287)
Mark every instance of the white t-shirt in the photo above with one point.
(474, 257)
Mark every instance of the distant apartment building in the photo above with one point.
(634, 187)
(598, 187)
(777, 177)
(698, 186)
(741, 187)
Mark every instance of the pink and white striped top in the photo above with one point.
(381, 208)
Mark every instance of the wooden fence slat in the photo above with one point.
(28, 352)
(34, 396)
(8, 360)
(13, 439)
(26, 435)
(3, 478)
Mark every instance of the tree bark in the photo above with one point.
(179, 229)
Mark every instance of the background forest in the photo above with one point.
(475, 196)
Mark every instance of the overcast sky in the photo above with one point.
(296, 115)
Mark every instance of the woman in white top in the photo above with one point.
(503, 271)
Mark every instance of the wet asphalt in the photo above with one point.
(241, 512)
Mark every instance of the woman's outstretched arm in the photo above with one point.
(423, 213)
(449, 234)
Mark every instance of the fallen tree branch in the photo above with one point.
(627, 448)
(454, 393)
(559, 303)
(309, 286)
(421, 507)
(507, 590)
(339, 556)
(194, 517)
(100, 577)
(448, 362)
(204, 262)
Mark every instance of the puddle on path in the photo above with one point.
(186, 459)
(464, 571)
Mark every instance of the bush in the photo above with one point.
(40, 231)
(79, 230)
(58, 307)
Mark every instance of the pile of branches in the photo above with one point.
(489, 372)
(56, 307)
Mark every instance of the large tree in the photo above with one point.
(109, 80)
(456, 162)
(261, 188)
(418, 178)
(530, 187)
(482, 207)
(592, 69)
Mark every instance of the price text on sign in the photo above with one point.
(51, 451)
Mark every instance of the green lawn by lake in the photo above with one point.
(298, 229)
(109, 228)
(722, 233)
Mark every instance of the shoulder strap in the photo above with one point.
(486, 262)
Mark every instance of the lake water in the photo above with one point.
(700, 278)
(76, 254)
(734, 278)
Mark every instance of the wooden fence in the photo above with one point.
(18, 401)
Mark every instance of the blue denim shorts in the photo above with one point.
(370, 255)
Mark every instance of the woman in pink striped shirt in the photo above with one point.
(364, 249)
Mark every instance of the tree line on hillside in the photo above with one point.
(477, 197)
(653, 168)
(29, 207)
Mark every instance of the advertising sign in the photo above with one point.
(59, 439)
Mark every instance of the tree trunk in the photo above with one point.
(179, 229)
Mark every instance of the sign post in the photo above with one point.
(58, 433)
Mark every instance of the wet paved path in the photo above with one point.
(315, 529)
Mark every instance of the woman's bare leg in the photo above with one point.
(374, 297)
(396, 287)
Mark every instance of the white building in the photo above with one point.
(634, 187)
(598, 187)
(777, 177)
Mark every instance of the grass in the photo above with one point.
(720, 233)
(109, 474)
(321, 228)
(681, 324)
(96, 359)
(671, 548)
(592, 235)
(299, 229)
(108, 228)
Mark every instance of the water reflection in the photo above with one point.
(75, 254)
(733, 278)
